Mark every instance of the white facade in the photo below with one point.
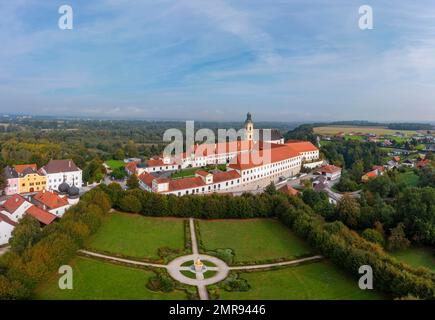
(72, 178)
(5, 232)
(287, 167)
(18, 213)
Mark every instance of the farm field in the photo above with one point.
(332, 130)
(137, 236)
(319, 280)
(97, 280)
(114, 164)
(417, 257)
(252, 240)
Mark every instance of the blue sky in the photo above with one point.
(218, 59)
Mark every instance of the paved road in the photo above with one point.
(193, 236)
(134, 262)
(276, 264)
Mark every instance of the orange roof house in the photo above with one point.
(131, 167)
(41, 215)
(19, 168)
(287, 189)
(50, 200)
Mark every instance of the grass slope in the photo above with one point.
(320, 280)
(252, 240)
(417, 257)
(138, 236)
(97, 280)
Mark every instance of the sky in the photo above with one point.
(216, 60)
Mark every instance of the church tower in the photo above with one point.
(249, 127)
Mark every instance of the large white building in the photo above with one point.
(59, 171)
(247, 161)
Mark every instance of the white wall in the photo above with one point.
(55, 179)
(5, 232)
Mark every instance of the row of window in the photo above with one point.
(215, 186)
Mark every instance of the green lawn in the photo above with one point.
(114, 164)
(137, 236)
(253, 239)
(97, 280)
(417, 257)
(409, 178)
(320, 280)
(190, 172)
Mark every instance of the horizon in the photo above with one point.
(288, 62)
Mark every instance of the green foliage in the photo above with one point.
(397, 240)
(373, 236)
(133, 182)
(36, 254)
(270, 189)
(25, 234)
(161, 282)
(234, 283)
(226, 255)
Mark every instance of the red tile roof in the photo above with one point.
(57, 166)
(41, 215)
(287, 189)
(202, 173)
(301, 146)
(7, 220)
(147, 178)
(51, 199)
(329, 169)
(155, 163)
(422, 163)
(186, 183)
(13, 203)
(255, 157)
(131, 167)
(21, 167)
(225, 176)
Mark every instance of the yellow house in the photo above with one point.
(30, 180)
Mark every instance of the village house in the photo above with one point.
(374, 173)
(330, 172)
(59, 171)
(13, 209)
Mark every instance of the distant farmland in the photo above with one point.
(333, 130)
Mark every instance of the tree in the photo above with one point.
(373, 236)
(270, 189)
(348, 210)
(133, 182)
(25, 234)
(130, 204)
(397, 239)
(119, 154)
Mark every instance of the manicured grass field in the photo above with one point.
(417, 257)
(253, 239)
(137, 236)
(114, 164)
(332, 130)
(97, 280)
(319, 280)
(409, 178)
(190, 172)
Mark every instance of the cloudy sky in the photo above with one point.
(288, 60)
